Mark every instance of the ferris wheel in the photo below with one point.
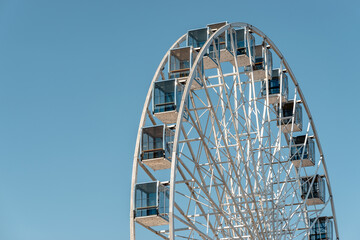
(227, 147)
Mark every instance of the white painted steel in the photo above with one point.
(231, 176)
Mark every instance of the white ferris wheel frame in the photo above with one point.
(182, 108)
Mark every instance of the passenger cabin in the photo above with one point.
(315, 193)
(321, 228)
(262, 66)
(197, 38)
(277, 87)
(223, 42)
(303, 151)
(166, 100)
(151, 204)
(245, 48)
(290, 113)
(156, 147)
(180, 63)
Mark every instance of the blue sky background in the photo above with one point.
(73, 79)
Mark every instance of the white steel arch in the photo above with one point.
(233, 174)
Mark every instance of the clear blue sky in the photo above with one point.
(73, 79)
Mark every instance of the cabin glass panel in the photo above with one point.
(268, 61)
(169, 139)
(156, 142)
(243, 43)
(276, 83)
(259, 63)
(263, 59)
(322, 229)
(222, 44)
(146, 202)
(300, 151)
(166, 96)
(180, 62)
(317, 190)
(259, 58)
(199, 72)
(197, 37)
(152, 142)
(211, 52)
(224, 39)
(287, 114)
(163, 201)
